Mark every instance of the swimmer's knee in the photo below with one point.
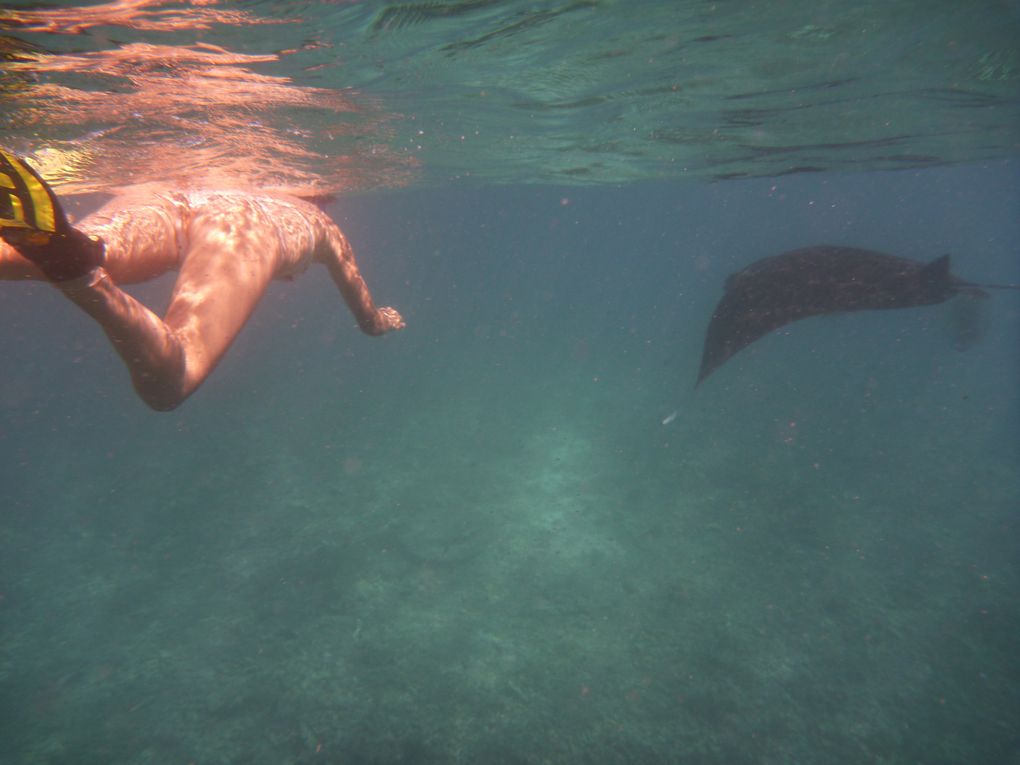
(161, 403)
(159, 396)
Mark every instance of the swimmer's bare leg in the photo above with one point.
(13, 267)
(154, 357)
(223, 276)
(141, 244)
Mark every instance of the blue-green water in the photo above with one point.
(354, 95)
(475, 541)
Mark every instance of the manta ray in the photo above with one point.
(824, 279)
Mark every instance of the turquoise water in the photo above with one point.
(475, 541)
(364, 95)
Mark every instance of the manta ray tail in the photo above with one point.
(992, 286)
(974, 285)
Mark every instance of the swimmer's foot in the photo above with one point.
(33, 223)
(60, 257)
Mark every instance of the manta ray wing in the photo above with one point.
(814, 281)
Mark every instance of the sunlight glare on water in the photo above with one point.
(344, 95)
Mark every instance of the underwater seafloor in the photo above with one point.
(476, 542)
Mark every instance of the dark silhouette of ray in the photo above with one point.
(820, 280)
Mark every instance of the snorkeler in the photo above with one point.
(227, 246)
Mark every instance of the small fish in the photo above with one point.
(670, 417)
